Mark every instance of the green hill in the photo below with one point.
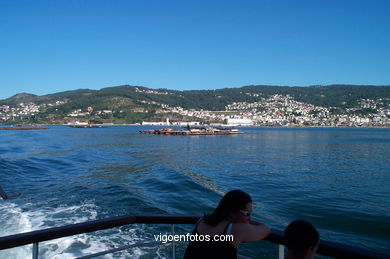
(127, 102)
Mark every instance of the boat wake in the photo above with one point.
(14, 219)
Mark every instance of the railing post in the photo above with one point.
(35, 251)
(280, 251)
(173, 241)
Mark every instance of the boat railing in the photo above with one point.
(326, 248)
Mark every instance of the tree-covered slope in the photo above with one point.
(127, 97)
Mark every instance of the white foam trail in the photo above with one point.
(14, 220)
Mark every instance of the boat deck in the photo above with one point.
(326, 248)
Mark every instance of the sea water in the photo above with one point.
(336, 178)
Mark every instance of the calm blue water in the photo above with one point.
(336, 178)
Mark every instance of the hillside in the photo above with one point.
(134, 103)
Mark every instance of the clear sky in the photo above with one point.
(57, 45)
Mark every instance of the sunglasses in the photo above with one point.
(246, 213)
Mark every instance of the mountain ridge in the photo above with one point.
(25, 95)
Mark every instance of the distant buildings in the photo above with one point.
(239, 122)
(275, 110)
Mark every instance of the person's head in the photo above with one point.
(301, 237)
(236, 206)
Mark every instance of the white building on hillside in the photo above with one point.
(239, 122)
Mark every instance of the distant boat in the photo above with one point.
(86, 126)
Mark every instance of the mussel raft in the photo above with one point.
(193, 131)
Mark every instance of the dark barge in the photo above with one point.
(193, 131)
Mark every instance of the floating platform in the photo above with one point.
(193, 131)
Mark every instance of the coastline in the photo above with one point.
(41, 126)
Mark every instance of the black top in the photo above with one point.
(210, 249)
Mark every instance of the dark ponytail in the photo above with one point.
(233, 201)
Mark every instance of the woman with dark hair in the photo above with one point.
(231, 217)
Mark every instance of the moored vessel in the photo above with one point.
(203, 130)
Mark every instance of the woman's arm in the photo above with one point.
(247, 232)
(255, 222)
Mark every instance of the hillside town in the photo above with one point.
(276, 110)
(279, 110)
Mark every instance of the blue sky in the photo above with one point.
(51, 46)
